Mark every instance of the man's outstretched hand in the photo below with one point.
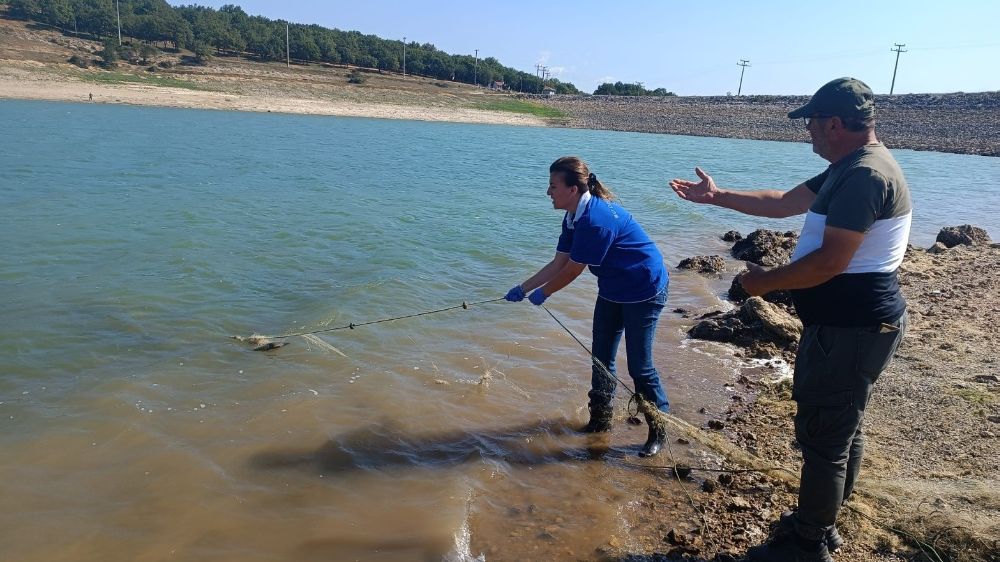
(701, 192)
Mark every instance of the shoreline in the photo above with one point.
(78, 91)
(932, 455)
(954, 123)
(34, 65)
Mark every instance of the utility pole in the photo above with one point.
(119, 14)
(744, 63)
(404, 56)
(288, 53)
(897, 50)
(475, 71)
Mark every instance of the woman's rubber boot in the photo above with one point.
(600, 420)
(656, 440)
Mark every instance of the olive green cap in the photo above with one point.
(843, 97)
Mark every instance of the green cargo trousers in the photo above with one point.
(835, 370)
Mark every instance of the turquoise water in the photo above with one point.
(136, 240)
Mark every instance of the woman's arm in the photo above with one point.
(570, 271)
(546, 273)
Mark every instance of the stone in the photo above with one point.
(937, 248)
(712, 265)
(732, 236)
(766, 247)
(774, 319)
(738, 294)
(966, 235)
(738, 503)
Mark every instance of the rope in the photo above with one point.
(465, 305)
(596, 361)
(678, 470)
(639, 401)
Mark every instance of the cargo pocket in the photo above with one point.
(876, 346)
(826, 365)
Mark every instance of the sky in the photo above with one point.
(693, 48)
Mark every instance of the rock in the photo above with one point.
(683, 441)
(709, 486)
(726, 479)
(775, 320)
(738, 294)
(986, 378)
(937, 248)
(716, 424)
(712, 265)
(682, 472)
(994, 419)
(677, 537)
(766, 247)
(732, 236)
(738, 503)
(966, 235)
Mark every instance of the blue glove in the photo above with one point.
(516, 294)
(537, 297)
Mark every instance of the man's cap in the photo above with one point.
(843, 97)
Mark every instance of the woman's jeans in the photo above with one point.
(638, 322)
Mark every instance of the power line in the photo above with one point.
(898, 49)
(743, 63)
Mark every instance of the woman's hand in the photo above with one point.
(516, 294)
(537, 297)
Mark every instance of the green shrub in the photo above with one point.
(79, 61)
(355, 77)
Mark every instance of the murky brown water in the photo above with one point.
(397, 452)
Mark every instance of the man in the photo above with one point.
(842, 278)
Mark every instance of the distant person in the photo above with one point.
(91, 97)
(842, 278)
(631, 287)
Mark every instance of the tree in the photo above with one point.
(110, 53)
(202, 52)
(24, 9)
(58, 13)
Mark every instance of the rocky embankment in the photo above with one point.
(959, 123)
(932, 457)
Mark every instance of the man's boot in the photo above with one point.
(790, 548)
(600, 419)
(656, 440)
(793, 542)
(786, 525)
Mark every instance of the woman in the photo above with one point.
(632, 287)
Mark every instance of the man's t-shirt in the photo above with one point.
(865, 192)
(603, 235)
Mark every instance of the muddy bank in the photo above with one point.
(960, 123)
(932, 464)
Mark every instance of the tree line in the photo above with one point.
(229, 31)
(623, 89)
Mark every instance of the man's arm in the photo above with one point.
(762, 203)
(815, 268)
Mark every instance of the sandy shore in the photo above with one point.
(16, 82)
